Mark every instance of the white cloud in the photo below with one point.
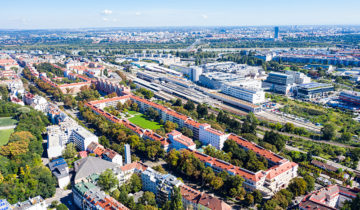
(137, 13)
(106, 12)
(105, 19)
(204, 16)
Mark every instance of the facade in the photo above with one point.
(212, 136)
(60, 170)
(313, 90)
(328, 198)
(252, 95)
(179, 141)
(350, 97)
(127, 154)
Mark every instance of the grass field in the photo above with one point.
(4, 136)
(7, 121)
(141, 121)
(132, 112)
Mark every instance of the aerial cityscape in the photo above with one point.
(191, 105)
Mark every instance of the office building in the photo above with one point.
(194, 199)
(279, 82)
(127, 154)
(249, 94)
(276, 32)
(313, 90)
(299, 77)
(82, 138)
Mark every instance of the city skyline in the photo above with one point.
(42, 14)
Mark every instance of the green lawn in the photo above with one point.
(141, 121)
(132, 112)
(7, 121)
(4, 136)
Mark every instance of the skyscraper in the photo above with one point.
(127, 154)
(276, 34)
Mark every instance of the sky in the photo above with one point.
(56, 14)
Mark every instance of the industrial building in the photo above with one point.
(350, 97)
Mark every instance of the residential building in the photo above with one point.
(36, 203)
(160, 184)
(194, 199)
(112, 156)
(208, 135)
(91, 165)
(180, 141)
(127, 152)
(87, 195)
(59, 168)
(324, 166)
(328, 198)
(82, 138)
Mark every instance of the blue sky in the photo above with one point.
(38, 14)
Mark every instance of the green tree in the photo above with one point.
(135, 183)
(310, 183)
(61, 207)
(328, 131)
(178, 102)
(249, 199)
(345, 137)
(170, 126)
(148, 198)
(190, 106)
(187, 132)
(70, 151)
(176, 199)
(107, 180)
(298, 186)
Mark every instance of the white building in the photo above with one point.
(36, 203)
(179, 141)
(252, 95)
(208, 135)
(112, 156)
(82, 138)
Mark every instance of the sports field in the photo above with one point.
(7, 121)
(141, 121)
(4, 136)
